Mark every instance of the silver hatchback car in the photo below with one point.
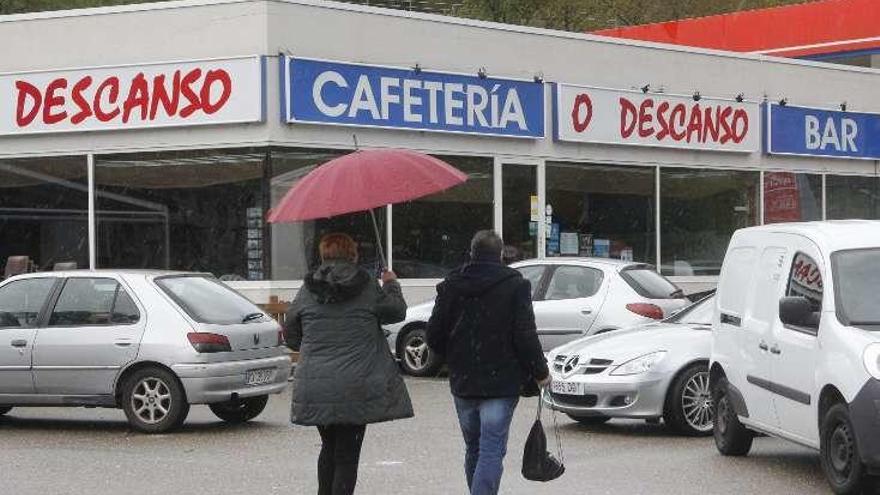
(149, 342)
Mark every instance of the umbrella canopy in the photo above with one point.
(364, 180)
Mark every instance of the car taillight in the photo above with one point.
(647, 310)
(209, 342)
(280, 337)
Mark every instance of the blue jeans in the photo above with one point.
(485, 424)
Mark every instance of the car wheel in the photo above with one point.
(731, 437)
(590, 420)
(154, 401)
(838, 452)
(415, 356)
(689, 409)
(240, 410)
(5, 409)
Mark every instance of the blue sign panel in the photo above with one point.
(364, 95)
(815, 132)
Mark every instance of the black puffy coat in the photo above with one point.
(484, 325)
(346, 373)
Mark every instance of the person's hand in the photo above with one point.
(388, 276)
(544, 382)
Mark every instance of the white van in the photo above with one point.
(796, 344)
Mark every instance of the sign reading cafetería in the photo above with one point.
(217, 91)
(321, 92)
(604, 116)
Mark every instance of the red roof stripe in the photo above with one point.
(791, 30)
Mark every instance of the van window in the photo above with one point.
(736, 278)
(856, 273)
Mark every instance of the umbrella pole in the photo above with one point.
(378, 239)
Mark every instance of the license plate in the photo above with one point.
(259, 377)
(566, 388)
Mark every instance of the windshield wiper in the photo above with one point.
(251, 316)
(677, 293)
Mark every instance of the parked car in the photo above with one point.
(573, 297)
(796, 344)
(152, 343)
(648, 372)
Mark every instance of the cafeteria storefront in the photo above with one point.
(169, 154)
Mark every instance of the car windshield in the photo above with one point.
(698, 313)
(207, 300)
(856, 273)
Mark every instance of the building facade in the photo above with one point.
(160, 135)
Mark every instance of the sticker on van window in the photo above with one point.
(806, 279)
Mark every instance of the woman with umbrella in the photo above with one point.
(346, 377)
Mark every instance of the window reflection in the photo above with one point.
(182, 210)
(432, 235)
(43, 213)
(853, 197)
(792, 197)
(603, 211)
(699, 211)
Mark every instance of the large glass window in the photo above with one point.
(294, 247)
(699, 211)
(603, 211)
(432, 235)
(520, 215)
(852, 197)
(192, 210)
(43, 213)
(792, 197)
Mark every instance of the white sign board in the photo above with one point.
(220, 91)
(594, 115)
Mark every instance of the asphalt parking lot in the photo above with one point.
(77, 451)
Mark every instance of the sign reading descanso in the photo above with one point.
(593, 115)
(132, 97)
(364, 95)
(811, 131)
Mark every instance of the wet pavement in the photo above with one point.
(91, 451)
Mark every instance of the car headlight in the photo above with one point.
(871, 359)
(638, 365)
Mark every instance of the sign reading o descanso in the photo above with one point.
(321, 92)
(214, 91)
(605, 116)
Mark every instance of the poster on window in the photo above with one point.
(806, 278)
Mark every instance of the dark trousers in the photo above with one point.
(338, 461)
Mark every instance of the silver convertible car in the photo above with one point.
(149, 342)
(653, 371)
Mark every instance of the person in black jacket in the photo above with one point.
(484, 325)
(346, 377)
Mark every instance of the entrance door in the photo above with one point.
(519, 209)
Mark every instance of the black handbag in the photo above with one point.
(538, 464)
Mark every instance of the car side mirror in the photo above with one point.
(797, 311)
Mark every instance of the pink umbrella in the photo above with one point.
(364, 180)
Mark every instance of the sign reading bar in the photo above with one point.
(593, 115)
(131, 97)
(816, 132)
(364, 95)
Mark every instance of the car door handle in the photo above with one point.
(763, 346)
(586, 312)
(775, 349)
(19, 343)
(122, 343)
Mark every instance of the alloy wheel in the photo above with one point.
(151, 400)
(696, 402)
(415, 352)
